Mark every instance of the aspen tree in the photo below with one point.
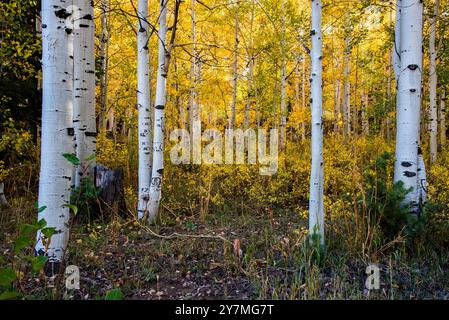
(409, 100)
(55, 171)
(433, 112)
(104, 60)
(144, 108)
(84, 88)
(316, 206)
(283, 80)
(443, 118)
(164, 52)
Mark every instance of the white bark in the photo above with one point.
(104, 51)
(194, 108)
(443, 118)
(422, 181)
(283, 81)
(234, 69)
(84, 88)
(303, 92)
(55, 171)
(365, 123)
(409, 100)
(347, 88)
(158, 129)
(397, 41)
(433, 125)
(144, 108)
(316, 206)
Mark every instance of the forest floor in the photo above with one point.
(185, 259)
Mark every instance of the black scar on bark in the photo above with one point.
(88, 17)
(159, 107)
(84, 25)
(44, 26)
(406, 164)
(68, 30)
(62, 13)
(409, 174)
(413, 66)
(160, 171)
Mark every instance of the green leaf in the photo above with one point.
(38, 263)
(114, 294)
(48, 232)
(39, 210)
(72, 207)
(21, 242)
(28, 229)
(8, 295)
(72, 158)
(41, 223)
(7, 276)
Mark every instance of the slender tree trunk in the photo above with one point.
(84, 89)
(347, 89)
(443, 118)
(104, 48)
(316, 207)
(409, 100)
(365, 124)
(297, 90)
(57, 87)
(158, 129)
(422, 181)
(283, 81)
(389, 80)
(193, 108)
(250, 71)
(234, 69)
(144, 108)
(303, 89)
(433, 125)
(355, 112)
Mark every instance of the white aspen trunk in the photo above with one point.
(159, 106)
(397, 42)
(355, 113)
(194, 108)
(347, 88)
(422, 181)
(297, 88)
(104, 48)
(84, 89)
(144, 108)
(390, 66)
(409, 100)
(283, 126)
(443, 118)
(337, 106)
(57, 86)
(303, 88)
(234, 69)
(316, 206)
(365, 125)
(433, 125)
(3, 201)
(250, 71)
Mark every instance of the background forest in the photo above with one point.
(224, 231)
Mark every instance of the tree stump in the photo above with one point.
(112, 195)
